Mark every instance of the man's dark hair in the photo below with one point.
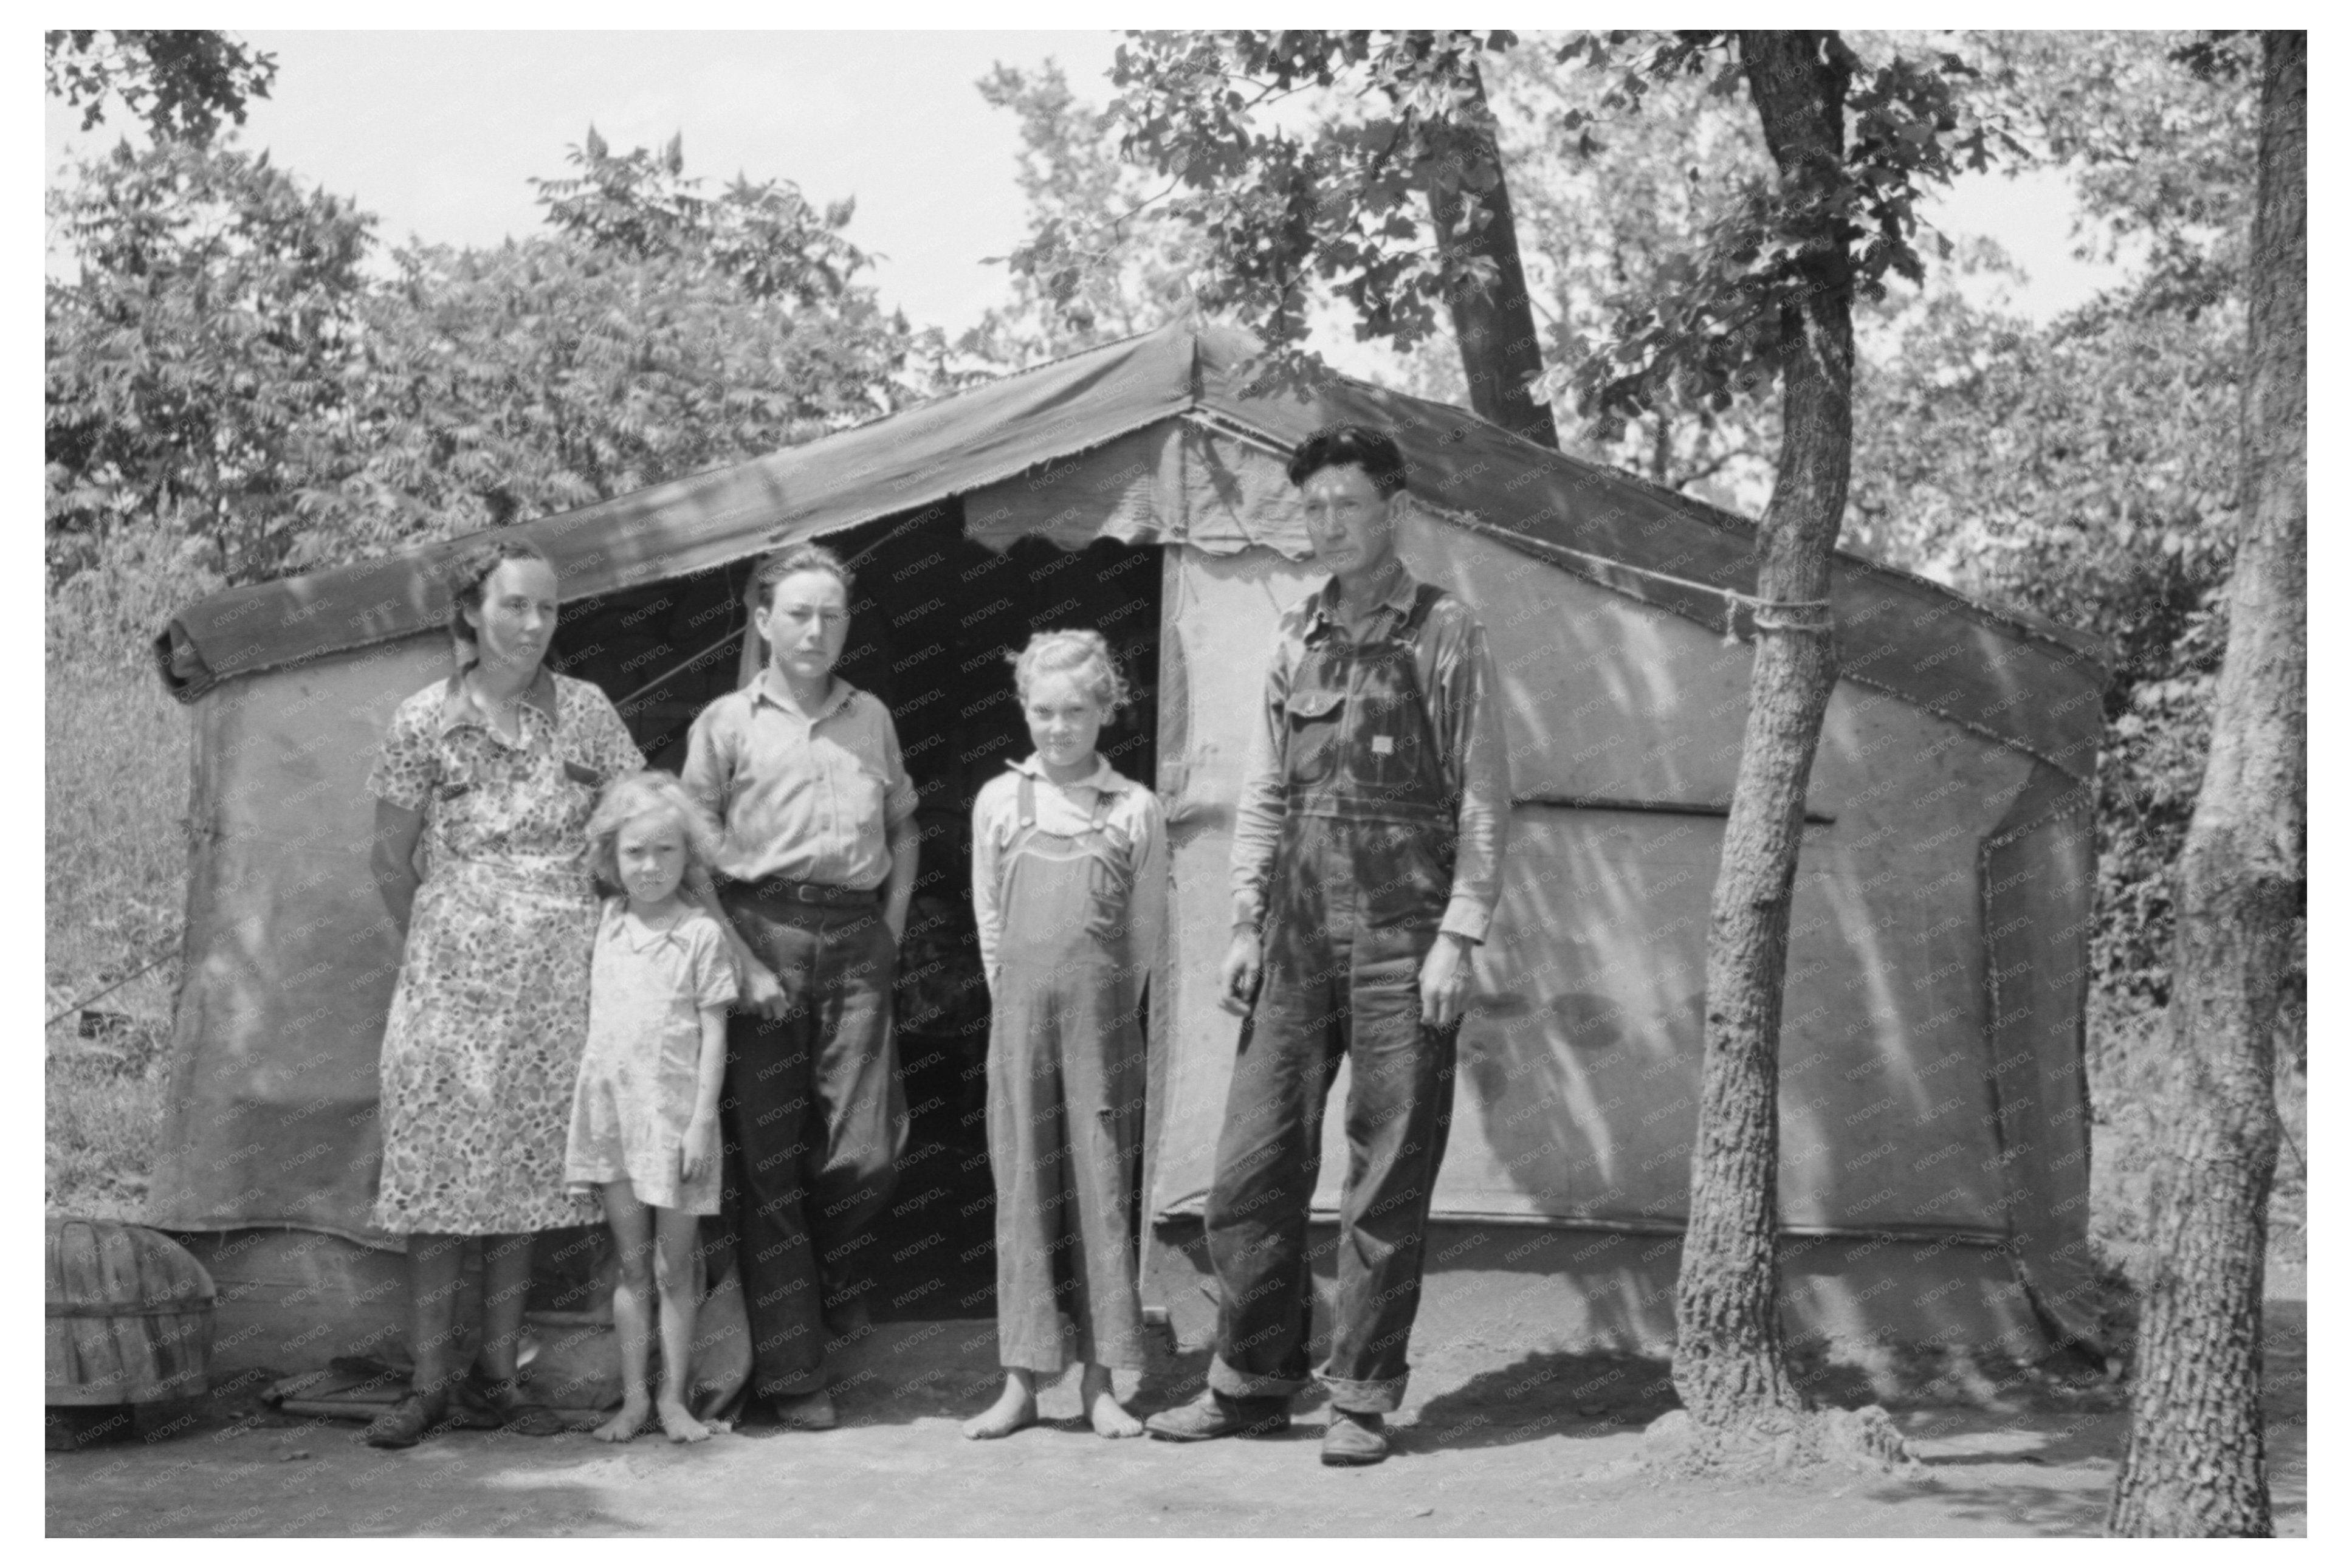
(802, 557)
(1338, 446)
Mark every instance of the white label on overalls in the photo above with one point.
(1382, 745)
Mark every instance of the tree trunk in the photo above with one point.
(1730, 1367)
(2194, 1461)
(1494, 327)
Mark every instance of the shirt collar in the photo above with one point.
(458, 707)
(1104, 777)
(769, 687)
(1323, 609)
(641, 936)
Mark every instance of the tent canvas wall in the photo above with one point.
(1933, 1158)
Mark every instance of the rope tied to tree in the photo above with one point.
(1814, 614)
(1822, 623)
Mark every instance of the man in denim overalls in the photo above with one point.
(1367, 859)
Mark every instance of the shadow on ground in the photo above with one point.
(1543, 1443)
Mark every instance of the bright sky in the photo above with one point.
(437, 134)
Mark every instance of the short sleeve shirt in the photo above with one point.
(648, 989)
(801, 799)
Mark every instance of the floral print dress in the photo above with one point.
(489, 1018)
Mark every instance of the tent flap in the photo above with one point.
(2037, 877)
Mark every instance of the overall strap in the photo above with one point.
(1424, 599)
(1028, 799)
(1103, 800)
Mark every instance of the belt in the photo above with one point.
(777, 889)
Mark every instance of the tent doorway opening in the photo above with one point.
(933, 619)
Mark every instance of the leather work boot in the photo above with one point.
(1215, 1415)
(1355, 1437)
(407, 1422)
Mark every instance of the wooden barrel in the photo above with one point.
(131, 1315)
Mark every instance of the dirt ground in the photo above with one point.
(1488, 1444)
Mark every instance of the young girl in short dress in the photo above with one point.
(1068, 867)
(644, 1117)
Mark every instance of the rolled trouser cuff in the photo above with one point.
(1370, 1396)
(797, 1386)
(1235, 1383)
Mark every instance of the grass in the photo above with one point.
(115, 802)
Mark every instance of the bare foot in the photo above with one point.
(679, 1423)
(1015, 1408)
(1109, 1417)
(627, 1423)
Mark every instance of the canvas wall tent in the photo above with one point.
(1934, 1162)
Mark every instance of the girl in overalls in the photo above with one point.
(1068, 866)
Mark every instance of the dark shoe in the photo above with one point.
(404, 1425)
(1355, 1437)
(506, 1409)
(849, 1317)
(805, 1412)
(1215, 1415)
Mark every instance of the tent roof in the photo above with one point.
(2021, 680)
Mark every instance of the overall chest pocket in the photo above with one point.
(1312, 721)
(1389, 747)
(1110, 887)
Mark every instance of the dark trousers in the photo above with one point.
(815, 1121)
(1333, 990)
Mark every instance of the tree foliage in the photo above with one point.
(503, 385)
(1712, 323)
(1357, 167)
(1102, 260)
(2157, 130)
(181, 83)
(1606, 210)
(223, 371)
(196, 365)
(765, 237)
(2086, 469)
(1609, 206)
(1334, 204)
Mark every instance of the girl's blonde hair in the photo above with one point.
(1082, 653)
(637, 794)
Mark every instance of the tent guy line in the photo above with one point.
(169, 942)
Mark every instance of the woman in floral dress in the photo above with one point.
(494, 772)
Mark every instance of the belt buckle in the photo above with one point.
(806, 892)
